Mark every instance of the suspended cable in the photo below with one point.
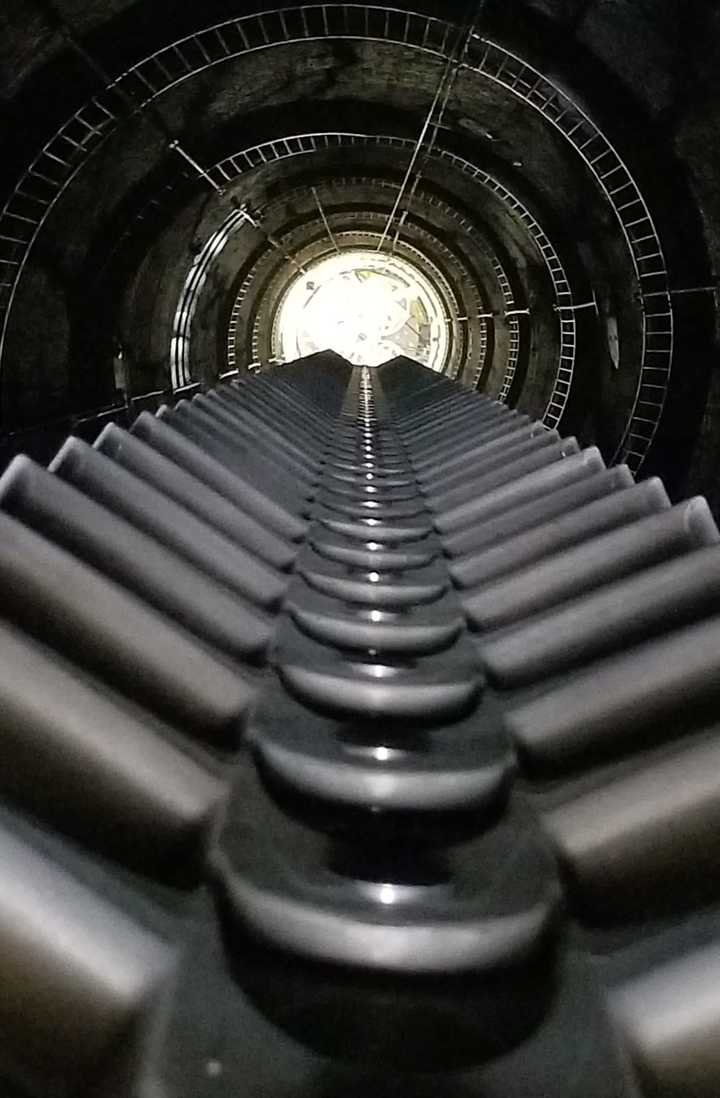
(177, 147)
(328, 230)
(442, 94)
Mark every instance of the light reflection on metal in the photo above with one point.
(180, 368)
(177, 147)
(328, 230)
(581, 305)
(688, 290)
(180, 373)
(613, 340)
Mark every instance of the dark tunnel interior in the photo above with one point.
(169, 173)
(359, 602)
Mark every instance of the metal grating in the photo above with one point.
(65, 154)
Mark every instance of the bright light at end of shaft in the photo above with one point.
(367, 306)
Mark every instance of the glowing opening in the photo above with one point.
(366, 306)
(386, 894)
